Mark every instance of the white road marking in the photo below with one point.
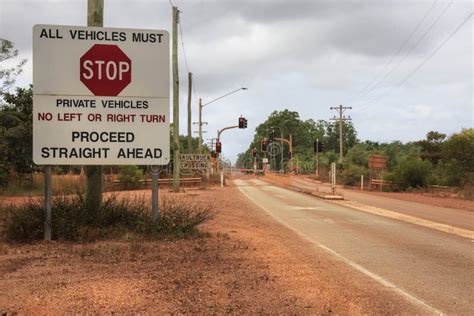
(461, 232)
(466, 233)
(351, 263)
(279, 195)
(306, 207)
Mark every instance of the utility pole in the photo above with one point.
(190, 135)
(200, 125)
(176, 162)
(94, 185)
(340, 109)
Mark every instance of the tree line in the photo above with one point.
(438, 159)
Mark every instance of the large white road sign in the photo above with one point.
(100, 96)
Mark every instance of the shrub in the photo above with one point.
(130, 176)
(412, 173)
(351, 175)
(116, 218)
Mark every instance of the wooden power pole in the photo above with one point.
(200, 126)
(340, 109)
(190, 135)
(176, 162)
(94, 185)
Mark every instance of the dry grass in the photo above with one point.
(60, 184)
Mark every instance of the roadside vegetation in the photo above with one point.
(119, 217)
(439, 159)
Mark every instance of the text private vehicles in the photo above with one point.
(100, 96)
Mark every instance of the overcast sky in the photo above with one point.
(305, 56)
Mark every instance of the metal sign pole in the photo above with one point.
(155, 190)
(47, 203)
(221, 168)
(154, 196)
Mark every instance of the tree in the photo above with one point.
(304, 133)
(432, 147)
(8, 75)
(460, 148)
(16, 134)
(412, 173)
(332, 136)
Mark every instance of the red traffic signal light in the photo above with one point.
(271, 135)
(218, 147)
(242, 122)
(264, 145)
(318, 146)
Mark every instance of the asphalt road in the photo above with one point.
(449, 216)
(428, 268)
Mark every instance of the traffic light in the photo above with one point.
(242, 122)
(254, 152)
(318, 146)
(218, 147)
(271, 136)
(263, 145)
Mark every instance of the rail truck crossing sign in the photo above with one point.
(100, 96)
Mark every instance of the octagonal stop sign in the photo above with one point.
(105, 70)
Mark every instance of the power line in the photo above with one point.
(396, 53)
(182, 44)
(425, 60)
(412, 48)
(436, 50)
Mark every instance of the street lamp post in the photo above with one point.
(201, 105)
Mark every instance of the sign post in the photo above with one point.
(47, 203)
(333, 177)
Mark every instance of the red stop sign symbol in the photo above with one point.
(105, 70)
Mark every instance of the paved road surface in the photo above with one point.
(428, 268)
(449, 216)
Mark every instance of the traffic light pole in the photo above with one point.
(219, 132)
(290, 145)
(200, 123)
